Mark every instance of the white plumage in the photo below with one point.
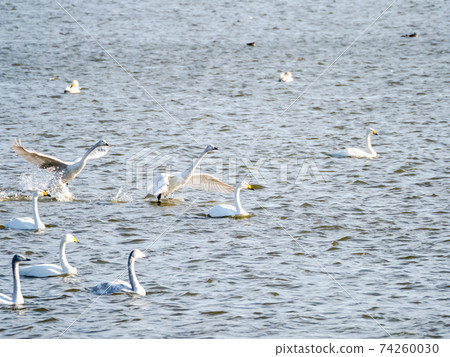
(164, 184)
(225, 210)
(28, 223)
(47, 270)
(358, 153)
(64, 170)
(74, 88)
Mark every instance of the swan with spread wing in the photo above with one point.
(64, 170)
(164, 184)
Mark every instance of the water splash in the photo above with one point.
(46, 181)
(122, 197)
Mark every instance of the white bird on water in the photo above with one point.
(64, 170)
(358, 153)
(164, 184)
(17, 298)
(74, 88)
(28, 223)
(46, 270)
(118, 286)
(237, 210)
(286, 77)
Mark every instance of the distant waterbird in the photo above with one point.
(358, 153)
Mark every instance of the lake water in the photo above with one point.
(334, 248)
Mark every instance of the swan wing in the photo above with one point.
(5, 299)
(110, 288)
(41, 271)
(42, 161)
(23, 223)
(222, 211)
(208, 182)
(160, 185)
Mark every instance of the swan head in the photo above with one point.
(40, 193)
(371, 131)
(20, 258)
(246, 185)
(102, 142)
(69, 238)
(286, 77)
(136, 254)
(211, 148)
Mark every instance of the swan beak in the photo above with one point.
(250, 187)
(46, 194)
(374, 132)
(27, 259)
(214, 148)
(75, 240)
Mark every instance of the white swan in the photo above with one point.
(17, 298)
(286, 77)
(28, 223)
(164, 185)
(46, 270)
(228, 210)
(74, 88)
(117, 286)
(66, 171)
(352, 152)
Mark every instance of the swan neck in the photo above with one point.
(237, 200)
(62, 257)
(17, 292)
(132, 274)
(37, 219)
(85, 156)
(369, 145)
(194, 165)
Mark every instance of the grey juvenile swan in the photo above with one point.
(17, 298)
(117, 286)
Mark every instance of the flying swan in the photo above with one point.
(352, 152)
(164, 184)
(74, 88)
(228, 210)
(17, 298)
(64, 170)
(117, 286)
(28, 223)
(46, 270)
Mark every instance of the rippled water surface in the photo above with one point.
(341, 248)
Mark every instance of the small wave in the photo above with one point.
(121, 197)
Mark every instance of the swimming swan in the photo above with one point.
(17, 298)
(46, 270)
(164, 184)
(286, 77)
(74, 88)
(28, 223)
(352, 152)
(228, 210)
(117, 286)
(65, 170)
